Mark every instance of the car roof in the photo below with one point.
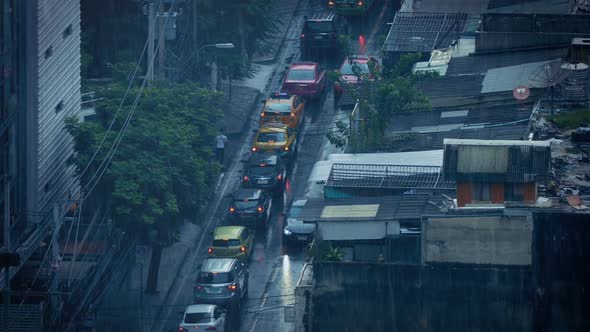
(228, 232)
(247, 193)
(280, 95)
(303, 65)
(218, 264)
(273, 127)
(263, 158)
(200, 308)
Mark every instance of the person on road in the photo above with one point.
(220, 142)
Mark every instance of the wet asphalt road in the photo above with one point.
(274, 270)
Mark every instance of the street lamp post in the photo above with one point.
(218, 45)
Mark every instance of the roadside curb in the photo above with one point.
(268, 61)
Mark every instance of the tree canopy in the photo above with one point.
(162, 170)
(391, 92)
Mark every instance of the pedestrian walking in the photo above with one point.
(220, 142)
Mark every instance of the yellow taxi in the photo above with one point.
(276, 138)
(231, 242)
(284, 108)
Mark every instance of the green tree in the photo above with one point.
(162, 170)
(389, 93)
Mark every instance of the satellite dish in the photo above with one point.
(547, 76)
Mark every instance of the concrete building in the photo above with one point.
(40, 88)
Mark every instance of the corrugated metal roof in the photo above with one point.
(423, 31)
(481, 63)
(496, 161)
(407, 208)
(387, 177)
(508, 78)
(450, 6)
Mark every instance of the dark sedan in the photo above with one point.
(295, 230)
(250, 207)
(265, 171)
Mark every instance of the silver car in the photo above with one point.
(295, 230)
(203, 317)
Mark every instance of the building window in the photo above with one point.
(59, 107)
(48, 52)
(67, 31)
(47, 187)
(514, 192)
(480, 192)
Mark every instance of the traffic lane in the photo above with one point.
(268, 313)
(267, 261)
(365, 31)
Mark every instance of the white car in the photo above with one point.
(203, 317)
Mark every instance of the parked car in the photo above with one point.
(276, 138)
(354, 68)
(320, 34)
(295, 230)
(251, 207)
(203, 317)
(231, 242)
(305, 79)
(281, 107)
(351, 7)
(265, 171)
(221, 281)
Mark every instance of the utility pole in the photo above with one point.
(55, 258)
(7, 245)
(162, 42)
(150, 63)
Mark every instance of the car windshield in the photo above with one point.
(295, 212)
(215, 277)
(245, 204)
(197, 317)
(349, 69)
(320, 27)
(226, 243)
(301, 75)
(271, 137)
(261, 170)
(278, 108)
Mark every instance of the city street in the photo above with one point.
(274, 270)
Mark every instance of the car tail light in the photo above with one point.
(211, 328)
(243, 249)
(232, 209)
(331, 3)
(232, 287)
(210, 250)
(181, 329)
(246, 178)
(262, 114)
(260, 209)
(302, 35)
(254, 149)
(286, 148)
(360, 3)
(280, 177)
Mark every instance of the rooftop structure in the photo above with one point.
(424, 32)
(387, 177)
